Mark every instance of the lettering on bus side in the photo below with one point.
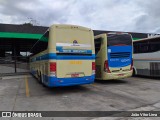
(76, 62)
(67, 51)
(113, 60)
(125, 60)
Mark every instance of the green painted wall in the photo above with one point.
(136, 38)
(20, 35)
(27, 36)
(44, 39)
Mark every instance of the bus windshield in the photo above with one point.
(118, 39)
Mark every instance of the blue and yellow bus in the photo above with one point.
(113, 56)
(64, 56)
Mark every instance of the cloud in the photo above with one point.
(118, 15)
(148, 21)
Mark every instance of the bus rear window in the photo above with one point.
(118, 39)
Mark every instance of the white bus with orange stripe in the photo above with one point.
(64, 56)
(146, 58)
(113, 56)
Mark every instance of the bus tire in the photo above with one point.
(40, 78)
(134, 72)
(37, 75)
(44, 85)
(42, 81)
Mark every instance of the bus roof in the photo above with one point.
(70, 26)
(103, 34)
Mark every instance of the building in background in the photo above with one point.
(17, 40)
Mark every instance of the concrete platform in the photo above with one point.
(24, 93)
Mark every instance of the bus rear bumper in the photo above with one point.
(56, 82)
(109, 76)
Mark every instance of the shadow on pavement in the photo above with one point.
(69, 89)
(147, 77)
(61, 90)
(111, 81)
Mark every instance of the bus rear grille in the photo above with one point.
(120, 55)
(155, 69)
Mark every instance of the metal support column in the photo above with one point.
(15, 57)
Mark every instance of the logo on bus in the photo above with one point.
(75, 43)
(125, 60)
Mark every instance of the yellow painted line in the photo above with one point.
(27, 86)
(93, 84)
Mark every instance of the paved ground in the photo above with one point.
(10, 68)
(133, 93)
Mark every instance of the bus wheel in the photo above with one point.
(134, 73)
(37, 76)
(40, 78)
(43, 84)
(42, 81)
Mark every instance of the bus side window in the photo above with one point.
(39, 47)
(155, 46)
(135, 48)
(149, 46)
(144, 48)
(98, 43)
(141, 48)
(41, 44)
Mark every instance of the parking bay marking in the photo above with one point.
(27, 86)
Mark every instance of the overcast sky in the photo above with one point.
(117, 15)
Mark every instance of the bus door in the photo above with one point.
(99, 56)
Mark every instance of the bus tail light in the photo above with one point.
(106, 67)
(131, 65)
(53, 68)
(93, 67)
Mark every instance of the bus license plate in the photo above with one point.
(74, 75)
(120, 74)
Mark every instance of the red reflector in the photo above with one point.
(131, 65)
(53, 66)
(106, 67)
(93, 66)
